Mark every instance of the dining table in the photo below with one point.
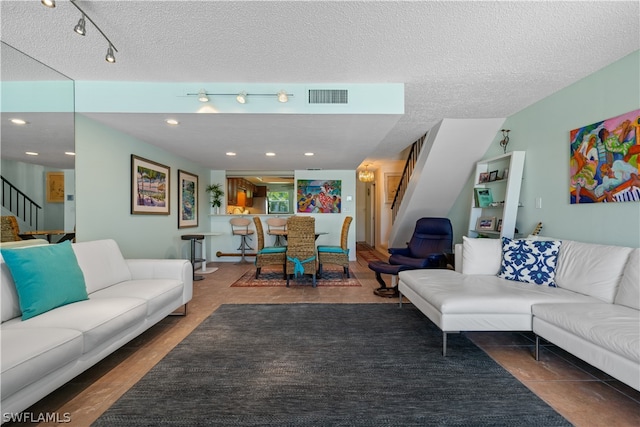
(68, 235)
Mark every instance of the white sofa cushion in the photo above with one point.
(157, 292)
(591, 269)
(452, 292)
(629, 289)
(31, 354)
(611, 326)
(99, 320)
(481, 256)
(102, 264)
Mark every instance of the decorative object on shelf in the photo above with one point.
(319, 196)
(215, 194)
(484, 177)
(366, 175)
(499, 226)
(483, 197)
(493, 175)
(486, 223)
(604, 161)
(505, 140)
(505, 173)
(187, 199)
(149, 187)
(391, 182)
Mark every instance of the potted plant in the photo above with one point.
(215, 193)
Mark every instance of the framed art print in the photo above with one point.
(187, 199)
(149, 187)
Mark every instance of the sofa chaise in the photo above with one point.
(589, 303)
(121, 298)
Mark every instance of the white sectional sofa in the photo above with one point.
(125, 298)
(593, 311)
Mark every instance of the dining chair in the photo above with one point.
(301, 247)
(10, 229)
(336, 254)
(240, 227)
(268, 255)
(277, 227)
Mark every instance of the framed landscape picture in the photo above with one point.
(486, 223)
(187, 199)
(149, 187)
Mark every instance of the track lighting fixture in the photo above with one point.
(80, 28)
(241, 97)
(202, 96)
(110, 57)
(282, 96)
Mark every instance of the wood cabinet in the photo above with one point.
(240, 185)
(496, 196)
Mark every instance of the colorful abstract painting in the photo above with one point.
(319, 196)
(604, 161)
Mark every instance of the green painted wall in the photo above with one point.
(103, 190)
(542, 130)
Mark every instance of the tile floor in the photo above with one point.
(581, 393)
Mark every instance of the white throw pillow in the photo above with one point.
(481, 256)
(629, 289)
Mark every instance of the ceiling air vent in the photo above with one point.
(328, 96)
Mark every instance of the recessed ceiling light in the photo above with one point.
(30, 153)
(230, 153)
(270, 154)
(18, 122)
(172, 122)
(308, 154)
(69, 153)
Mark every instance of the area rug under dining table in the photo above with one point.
(326, 365)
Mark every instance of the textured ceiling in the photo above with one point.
(457, 59)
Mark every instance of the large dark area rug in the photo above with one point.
(326, 365)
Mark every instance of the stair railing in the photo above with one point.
(19, 204)
(409, 166)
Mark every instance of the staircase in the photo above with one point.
(19, 204)
(443, 163)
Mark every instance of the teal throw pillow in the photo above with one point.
(46, 277)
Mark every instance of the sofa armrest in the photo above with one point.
(458, 257)
(178, 269)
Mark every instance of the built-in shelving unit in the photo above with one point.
(497, 179)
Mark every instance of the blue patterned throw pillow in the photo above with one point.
(529, 261)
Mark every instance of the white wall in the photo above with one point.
(103, 194)
(542, 130)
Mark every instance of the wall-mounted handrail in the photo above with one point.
(409, 166)
(14, 199)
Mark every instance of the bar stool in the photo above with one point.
(195, 238)
(277, 227)
(240, 227)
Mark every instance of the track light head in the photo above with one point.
(110, 56)
(283, 96)
(242, 97)
(80, 28)
(202, 96)
(49, 3)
